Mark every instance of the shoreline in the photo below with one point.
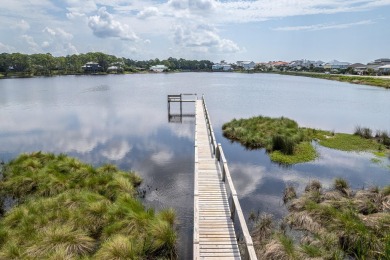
(376, 81)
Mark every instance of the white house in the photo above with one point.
(222, 66)
(384, 68)
(158, 68)
(306, 64)
(247, 65)
(336, 65)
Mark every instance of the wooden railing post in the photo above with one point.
(218, 153)
(233, 208)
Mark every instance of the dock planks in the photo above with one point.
(214, 236)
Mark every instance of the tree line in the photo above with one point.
(46, 64)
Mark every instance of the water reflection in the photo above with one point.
(123, 119)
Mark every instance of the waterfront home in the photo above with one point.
(114, 69)
(158, 68)
(221, 67)
(91, 67)
(299, 64)
(385, 69)
(382, 61)
(246, 65)
(335, 64)
(358, 68)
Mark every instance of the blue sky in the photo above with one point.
(258, 30)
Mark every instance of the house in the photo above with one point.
(335, 64)
(158, 68)
(384, 69)
(279, 63)
(376, 64)
(222, 66)
(91, 67)
(382, 61)
(113, 69)
(358, 68)
(299, 64)
(247, 65)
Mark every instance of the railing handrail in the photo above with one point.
(226, 178)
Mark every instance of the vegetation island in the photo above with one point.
(287, 143)
(56, 207)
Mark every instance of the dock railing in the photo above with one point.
(237, 216)
(179, 97)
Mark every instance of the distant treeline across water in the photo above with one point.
(46, 64)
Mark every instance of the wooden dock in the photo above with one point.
(216, 206)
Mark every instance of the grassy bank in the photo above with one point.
(287, 143)
(335, 224)
(65, 209)
(372, 81)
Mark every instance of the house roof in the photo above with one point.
(384, 67)
(336, 62)
(357, 65)
(159, 67)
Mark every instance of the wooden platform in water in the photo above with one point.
(214, 236)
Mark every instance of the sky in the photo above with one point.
(231, 30)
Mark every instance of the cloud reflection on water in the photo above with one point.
(123, 119)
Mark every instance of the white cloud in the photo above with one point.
(192, 4)
(22, 25)
(79, 7)
(6, 48)
(203, 38)
(178, 4)
(103, 25)
(70, 48)
(74, 15)
(33, 46)
(45, 44)
(247, 11)
(58, 33)
(203, 4)
(58, 41)
(317, 27)
(148, 12)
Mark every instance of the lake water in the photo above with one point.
(123, 119)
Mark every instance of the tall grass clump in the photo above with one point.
(289, 194)
(326, 224)
(284, 144)
(359, 233)
(71, 210)
(383, 137)
(364, 132)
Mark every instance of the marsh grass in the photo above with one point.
(348, 142)
(334, 224)
(70, 210)
(289, 194)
